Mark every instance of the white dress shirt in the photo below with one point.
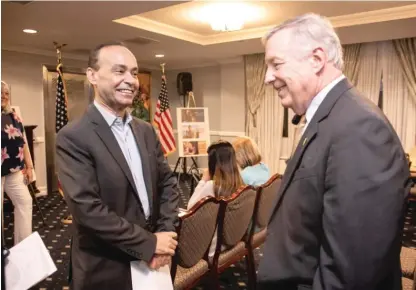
(319, 98)
(125, 139)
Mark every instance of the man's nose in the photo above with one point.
(131, 79)
(269, 77)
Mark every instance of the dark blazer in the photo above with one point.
(110, 228)
(338, 216)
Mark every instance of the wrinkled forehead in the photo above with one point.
(117, 55)
(284, 45)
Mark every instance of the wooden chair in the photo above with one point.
(195, 232)
(234, 219)
(266, 194)
(408, 262)
(409, 283)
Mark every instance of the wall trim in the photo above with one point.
(43, 190)
(221, 133)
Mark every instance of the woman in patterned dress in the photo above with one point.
(16, 167)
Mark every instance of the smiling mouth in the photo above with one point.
(125, 91)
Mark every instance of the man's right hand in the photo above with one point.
(166, 243)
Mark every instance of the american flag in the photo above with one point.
(163, 121)
(61, 102)
(60, 108)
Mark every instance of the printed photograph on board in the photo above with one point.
(193, 131)
(193, 115)
(194, 148)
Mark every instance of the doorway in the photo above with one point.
(79, 95)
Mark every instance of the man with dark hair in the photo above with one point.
(117, 183)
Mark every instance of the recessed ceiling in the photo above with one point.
(165, 27)
(272, 12)
(179, 21)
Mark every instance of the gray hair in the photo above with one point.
(7, 109)
(313, 28)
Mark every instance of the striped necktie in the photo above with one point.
(298, 133)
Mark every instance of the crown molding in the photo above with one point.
(42, 52)
(160, 28)
(375, 16)
(70, 56)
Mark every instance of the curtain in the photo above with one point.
(255, 71)
(369, 74)
(406, 51)
(270, 129)
(352, 62)
(398, 103)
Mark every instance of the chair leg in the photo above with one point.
(251, 269)
(214, 282)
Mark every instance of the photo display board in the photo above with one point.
(193, 131)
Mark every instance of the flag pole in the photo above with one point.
(58, 47)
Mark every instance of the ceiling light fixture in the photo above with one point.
(228, 16)
(159, 55)
(30, 31)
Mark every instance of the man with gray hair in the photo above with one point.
(337, 219)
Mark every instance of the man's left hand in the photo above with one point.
(160, 261)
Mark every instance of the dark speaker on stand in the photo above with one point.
(184, 83)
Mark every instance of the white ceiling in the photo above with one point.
(84, 24)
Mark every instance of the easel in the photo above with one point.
(181, 162)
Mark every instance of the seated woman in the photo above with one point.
(220, 180)
(253, 171)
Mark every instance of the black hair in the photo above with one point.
(95, 53)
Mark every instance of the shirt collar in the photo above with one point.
(314, 105)
(109, 116)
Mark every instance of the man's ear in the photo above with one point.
(92, 76)
(319, 59)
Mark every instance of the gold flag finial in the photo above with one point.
(162, 65)
(58, 48)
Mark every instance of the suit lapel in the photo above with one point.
(106, 135)
(310, 134)
(293, 164)
(144, 156)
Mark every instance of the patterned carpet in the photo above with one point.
(57, 239)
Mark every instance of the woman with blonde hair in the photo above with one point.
(220, 180)
(253, 171)
(16, 167)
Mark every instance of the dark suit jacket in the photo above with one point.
(110, 228)
(338, 216)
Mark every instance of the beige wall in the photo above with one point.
(220, 88)
(24, 74)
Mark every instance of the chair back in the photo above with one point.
(238, 212)
(266, 195)
(195, 232)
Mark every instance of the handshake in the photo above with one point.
(165, 248)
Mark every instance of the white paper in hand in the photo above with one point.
(29, 263)
(142, 277)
